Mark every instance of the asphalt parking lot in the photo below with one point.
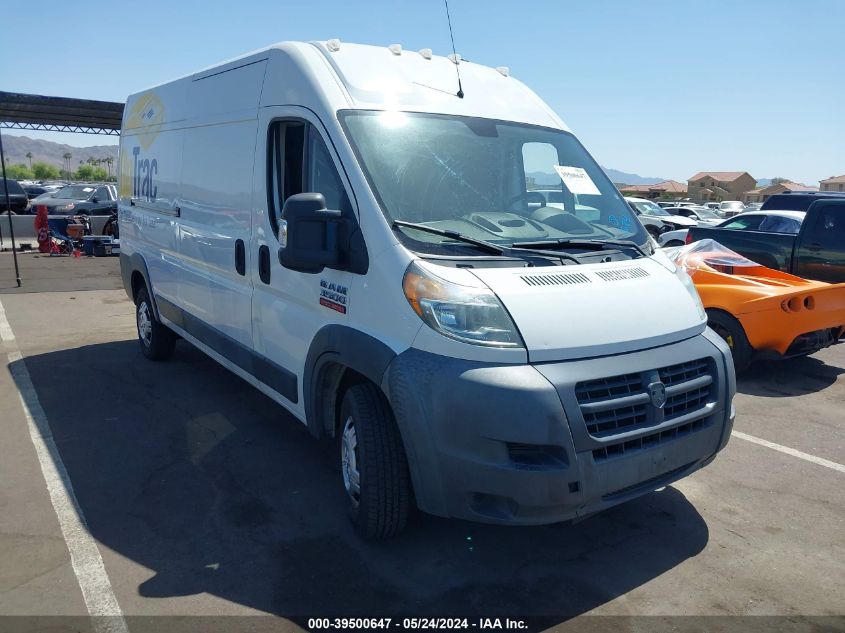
(202, 497)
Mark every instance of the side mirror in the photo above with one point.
(310, 235)
(95, 199)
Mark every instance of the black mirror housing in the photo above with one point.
(313, 238)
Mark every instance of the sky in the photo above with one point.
(658, 88)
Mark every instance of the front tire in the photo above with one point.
(733, 333)
(373, 464)
(157, 341)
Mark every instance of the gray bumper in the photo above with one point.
(531, 444)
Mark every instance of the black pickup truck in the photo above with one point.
(816, 252)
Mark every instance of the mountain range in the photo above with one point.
(17, 147)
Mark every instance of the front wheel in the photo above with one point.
(373, 464)
(157, 341)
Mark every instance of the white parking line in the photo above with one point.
(85, 557)
(6, 333)
(790, 451)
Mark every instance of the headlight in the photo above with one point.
(693, 293)
(68, 207)
(467, 313)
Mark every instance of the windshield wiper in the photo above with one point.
(597, 245)
(490, 247)
(483, 244)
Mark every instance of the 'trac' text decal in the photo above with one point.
(144, 171)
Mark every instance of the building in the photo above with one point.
(715, 186)
(761, 194)
(665, 189)
(834, 183)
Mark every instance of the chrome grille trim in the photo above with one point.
(621, 407)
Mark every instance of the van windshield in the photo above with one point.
(491, 180)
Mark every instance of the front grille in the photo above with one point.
(647, 441)
(685, 371)
(623, 404)
(603, 388)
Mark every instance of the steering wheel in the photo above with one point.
(529, 197)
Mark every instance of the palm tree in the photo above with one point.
(29, 156)
(109, 160)
(67, 156)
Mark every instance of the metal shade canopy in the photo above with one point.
(54, 114)
(59, 114)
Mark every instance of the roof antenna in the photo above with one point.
(455, 57)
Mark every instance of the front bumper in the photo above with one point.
(512, 444)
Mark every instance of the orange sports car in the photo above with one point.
(760, 312)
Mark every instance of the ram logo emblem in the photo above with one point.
(657, 393)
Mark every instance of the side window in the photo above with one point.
(780, 224)
(298, 161)
(285, 157)
(744, 223)
(102, 194)
(322, 177)
(829, 227)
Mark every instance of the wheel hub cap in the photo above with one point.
(145, 324)
(349, 460)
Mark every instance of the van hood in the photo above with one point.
(591, 310)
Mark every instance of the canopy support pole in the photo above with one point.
(9, 211)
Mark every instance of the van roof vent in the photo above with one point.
(622, 274)
(556, 279)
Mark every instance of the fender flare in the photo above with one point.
(343, 346)
(129, 265)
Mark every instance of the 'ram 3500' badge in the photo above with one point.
(333, 296)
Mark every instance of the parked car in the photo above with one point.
(33, 191)
(777, 221)
(675, 203)
(808, 244)
(18, 200)
(395, 290)
(753, 206)
(730, 208)
(647, 208)
(702, 215)
(713, 206)
(84, 199)
(760, 312)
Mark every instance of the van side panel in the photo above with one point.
(150, 172)
(216, 190)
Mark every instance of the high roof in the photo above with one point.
(59, 114)
(720, 176)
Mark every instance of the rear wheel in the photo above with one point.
(157, 341)
(732, 331)
(373, 464)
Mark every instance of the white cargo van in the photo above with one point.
(338, 227)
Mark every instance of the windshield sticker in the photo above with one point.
(88, 189)
(577, 180)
